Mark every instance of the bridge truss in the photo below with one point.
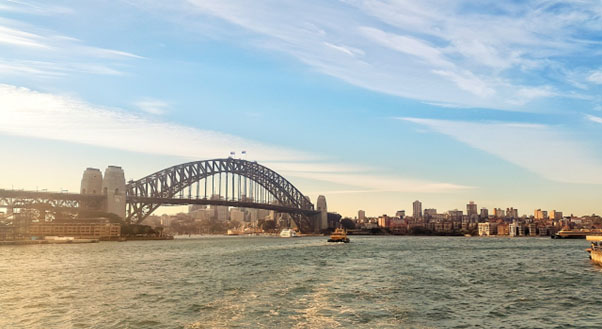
(224, 182)
(47, 201)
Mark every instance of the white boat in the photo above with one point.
(60, 238)
(288, 233)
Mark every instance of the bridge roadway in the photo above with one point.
(238, 204)
(58, 200)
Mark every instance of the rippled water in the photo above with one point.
(408, 282)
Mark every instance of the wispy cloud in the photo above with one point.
(19, 38)
(544, 150)
(44, 53)
(44, 69)
(407, 45)
(595, 77)
(108, 53)
(457, 52)
(33, 8)
(152, 106)
(377, 183)
(47, 116)
(593, 118)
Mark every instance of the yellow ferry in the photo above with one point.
(339, 235)
(595, 252)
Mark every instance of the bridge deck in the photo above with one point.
(21, 194)
(239, 204)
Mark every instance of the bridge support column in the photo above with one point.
(91, 185)
(321, 219)
(113, 187)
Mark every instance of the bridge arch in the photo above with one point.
(148, 193)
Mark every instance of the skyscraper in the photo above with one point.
(539, 214)
(498, 213)
(361, 215)
(556, 215)
(484, 213)
(471, 209)
(417, 206)
(511, 212)
(429, 213)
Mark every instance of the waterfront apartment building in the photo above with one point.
(417, 207)
(531, 229)
(78, 230)
(516, 229)
(455, 215)
(503, 229)
(430, 213)
(384, 221)
(487, 229)
(541, 214)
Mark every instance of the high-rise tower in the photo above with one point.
(417, 207)
(322, 223)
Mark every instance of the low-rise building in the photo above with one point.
(532, 228)
(516, 229)
(455, 215)
(487, 229)
(503, 229)
(78, 230)
(384, 221)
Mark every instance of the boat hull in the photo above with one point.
(345, 240)
(596, 256)
(288, 233)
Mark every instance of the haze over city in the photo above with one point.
(373, 104)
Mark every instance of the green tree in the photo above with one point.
(268, 225)
(347, 223)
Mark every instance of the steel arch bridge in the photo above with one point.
(222, 182)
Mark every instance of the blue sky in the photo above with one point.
(372, 103)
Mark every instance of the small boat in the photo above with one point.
(595, 252)
(288, 233)
(339, 235)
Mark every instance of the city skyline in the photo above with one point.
(373, 104)
(472, 210)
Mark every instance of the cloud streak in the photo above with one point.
(458, 53)
(544, 150)
(152, 106)
(31, 7)
(48, 116)
(47, 54)
(19, 38)
(593, 118)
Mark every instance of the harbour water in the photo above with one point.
(386, 282)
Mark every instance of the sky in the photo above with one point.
(373, 103)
